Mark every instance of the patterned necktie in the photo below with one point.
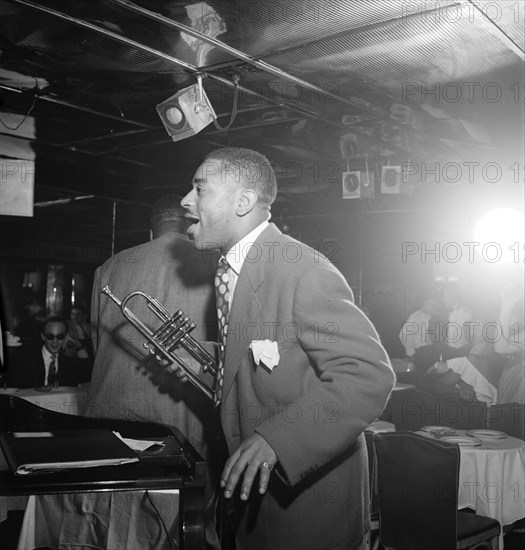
(52, 378)
(222, 294)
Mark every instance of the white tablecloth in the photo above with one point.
(492, 479)
(128, 520)
(68, 400)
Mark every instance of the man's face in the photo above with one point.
(53, 337)
(212, 205)
(77, 316)
(431, 306)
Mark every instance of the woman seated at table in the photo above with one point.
(79, 344)
(46, 365)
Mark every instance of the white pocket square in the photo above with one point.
(265, 352)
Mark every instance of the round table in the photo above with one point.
(492, 478)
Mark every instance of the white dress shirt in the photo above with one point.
(414, 333)
(237, 254)
(457, 333)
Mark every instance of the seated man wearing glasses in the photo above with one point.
(47, 365)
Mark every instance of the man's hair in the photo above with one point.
(249, 168)
(167, 209)
(55, 319)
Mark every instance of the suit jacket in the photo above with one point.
(128, 384)
(125, 382)
(29, 371)
(333, 378)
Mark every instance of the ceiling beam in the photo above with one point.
(363, 28)
(262, 65)
(38, 96)
(142, 130)
(494, 28)
(192, 69)
(39, 142)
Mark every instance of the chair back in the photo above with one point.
(417, 486)
(372, 472)
(508, 418)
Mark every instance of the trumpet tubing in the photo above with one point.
(174, 333)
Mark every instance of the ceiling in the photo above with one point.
(436, 87)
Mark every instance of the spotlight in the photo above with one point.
(500, 234)
(187, 112)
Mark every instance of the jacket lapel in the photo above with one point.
(245, 309)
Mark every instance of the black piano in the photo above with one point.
(184, 469)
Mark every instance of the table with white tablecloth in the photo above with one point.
(492, 478)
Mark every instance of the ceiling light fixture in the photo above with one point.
(187, 112)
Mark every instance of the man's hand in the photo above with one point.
(174, 368)
(253, 456)
(467, 394)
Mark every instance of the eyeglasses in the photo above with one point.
(50, 336)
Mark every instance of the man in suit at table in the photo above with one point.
(303, 370)
(48, 365)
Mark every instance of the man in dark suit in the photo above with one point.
(304, 372)
(48, 365)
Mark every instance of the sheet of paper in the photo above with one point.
(138, 444)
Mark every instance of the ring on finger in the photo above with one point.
(267, 466)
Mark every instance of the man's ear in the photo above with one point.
(247, 202)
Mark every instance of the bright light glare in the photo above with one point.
(504, 228)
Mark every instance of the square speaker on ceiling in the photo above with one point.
(349, 146)
(391, 180)
(358, 185)
(184, 115)
(351, 185)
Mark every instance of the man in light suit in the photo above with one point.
(304, 372)
(125, 383)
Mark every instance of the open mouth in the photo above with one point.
(192, 221)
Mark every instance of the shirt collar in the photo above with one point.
(46, 354)
(238, 252)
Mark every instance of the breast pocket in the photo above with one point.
(283, 382)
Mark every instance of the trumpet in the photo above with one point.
(172, 334)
